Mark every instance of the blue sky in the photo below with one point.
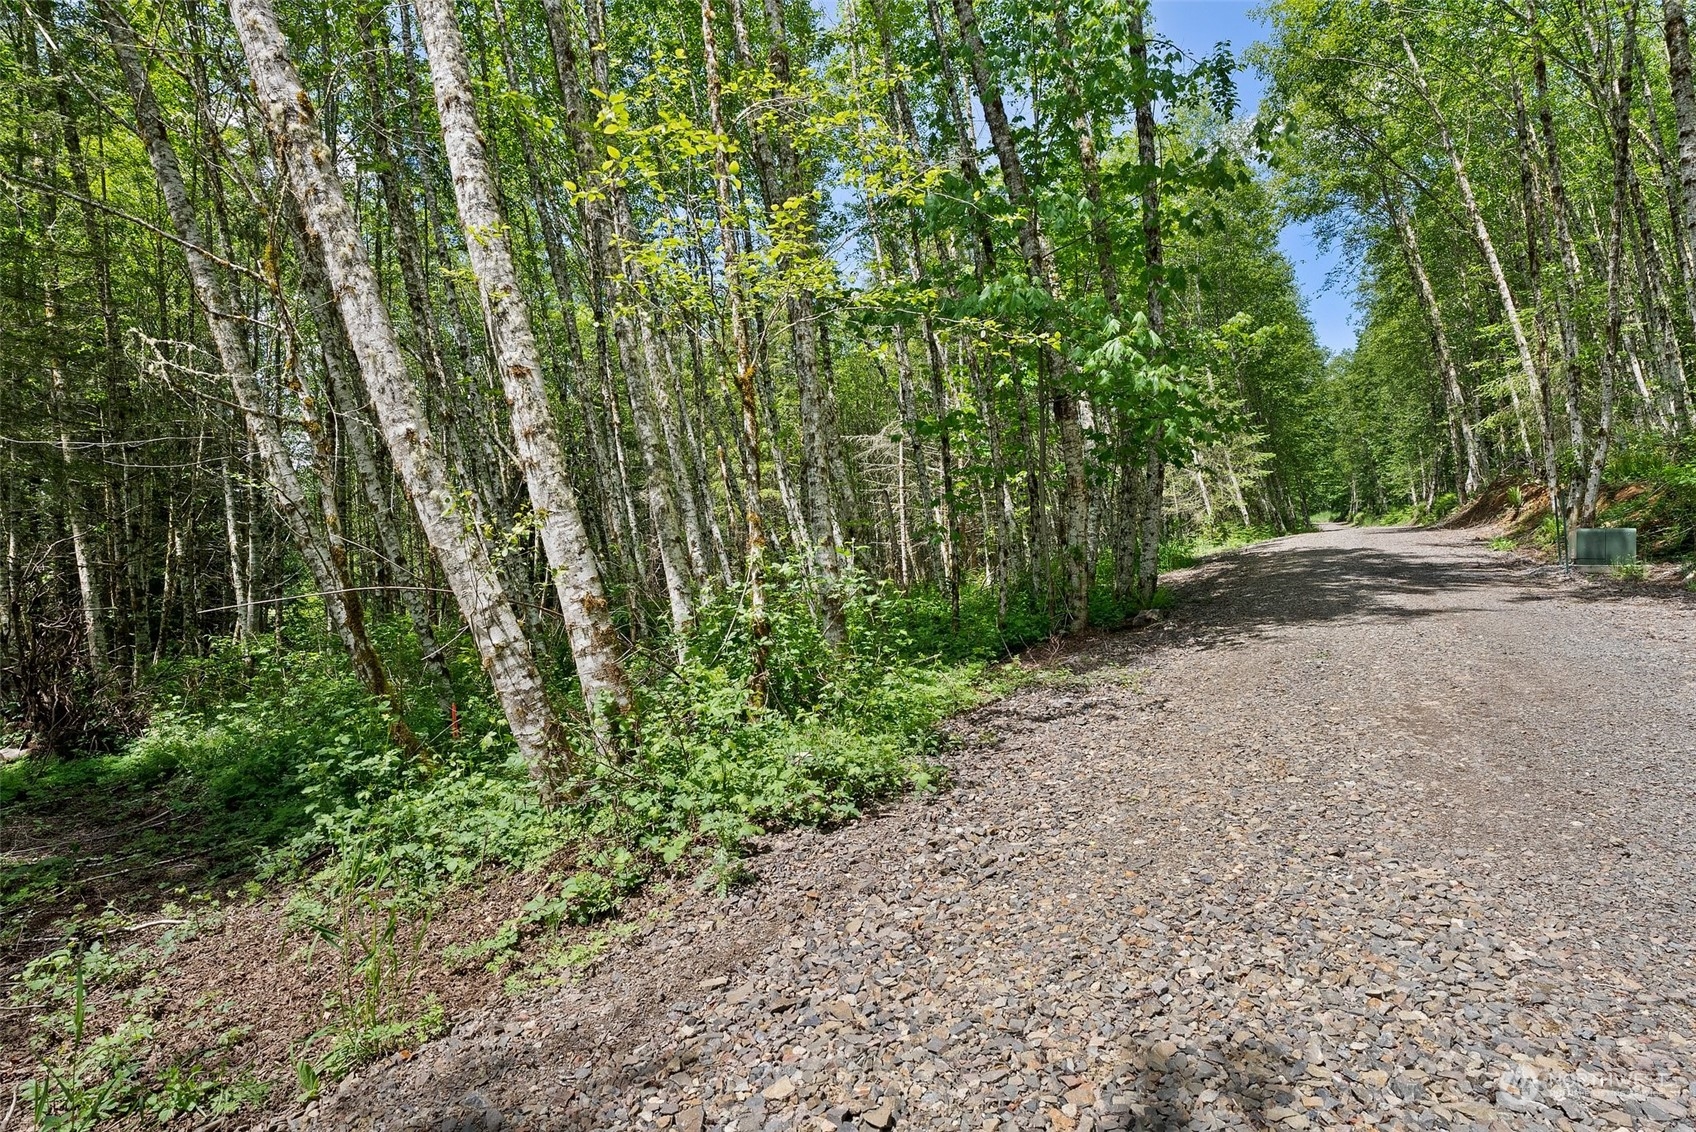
(1195, 26)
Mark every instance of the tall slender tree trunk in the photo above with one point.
(241, 595)
(1153, 510)
(779, 170)
(1237, 493)
(983, 249)
(787, 494)
(595, 645)
(618, 283)
(1480, 231)
(472, 455)
(317, 189)
(1683, 86)
(928, 563)
(1618, 336)
(1654, 282)
(1460, 426)
(1566, 303)
(946, 517)
(1652, 285)
(983, 262)
(633, 276)
(742, 359)
(1531, 199)
(907, 130)
(93, 620)
(46, 153)
(1083, 127)
(1683, 252)
(694, 477)
(347, 396)
(554, 246)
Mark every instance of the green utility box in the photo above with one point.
(1602, 547)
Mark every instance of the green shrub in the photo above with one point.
(835, 733)
(282, 760)
(1640, 458)
(584, 898)
(374, 925)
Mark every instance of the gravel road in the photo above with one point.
(1382, 828)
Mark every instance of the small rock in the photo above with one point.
(1664, 1111)
(1517, 1104)
(486, 1116)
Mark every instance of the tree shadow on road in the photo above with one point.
(1267, 589)
(1169, 1087)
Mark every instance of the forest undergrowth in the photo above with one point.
(266, 777)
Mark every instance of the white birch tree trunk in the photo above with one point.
(742, 361)
(1153, 508)
(1460, 426)
(346, 397)
(423, 471)
(1683, 86)
(619, 283)
(1039, 258)
(1480, 231)
(595, 645)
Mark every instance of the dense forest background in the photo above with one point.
(437, 433)
(1518, 184)
(548, 335)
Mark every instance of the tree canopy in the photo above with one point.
(538, 328)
